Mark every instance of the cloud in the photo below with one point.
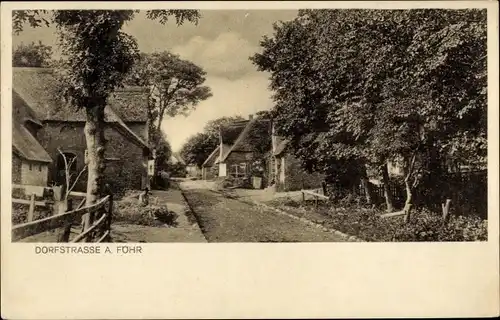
(244, 96)
(226, 55)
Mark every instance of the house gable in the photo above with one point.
(24, 143)
(243, 144)
(212, 158)
(37, 88)
(61, 126)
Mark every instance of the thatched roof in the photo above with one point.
(25, 145)
(37, 87)
(242, 144)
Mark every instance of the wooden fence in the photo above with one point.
(317, 195)
(99, 231)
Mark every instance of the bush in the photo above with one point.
(177, 170)
(131, 212)
(426, 226)
(20, 213)
(368, 225)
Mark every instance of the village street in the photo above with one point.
(229, 220)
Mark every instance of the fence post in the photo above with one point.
(65, 232)
(109, 218)
(446, 210)
(31, 210)
(303, 196)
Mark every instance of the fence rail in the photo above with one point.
(316, 194)
(67, 219)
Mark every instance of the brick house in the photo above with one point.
(60, 126)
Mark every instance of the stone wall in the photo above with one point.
(16, 169)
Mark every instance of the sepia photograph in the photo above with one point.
(276, 126)
(236, 159)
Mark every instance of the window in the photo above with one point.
(40, 167)
(238, 170)
(31, 166)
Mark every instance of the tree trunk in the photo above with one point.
(94, 135)
(365, 183)
(446, 210)
(409, 189)
(408, 202)
(389, 201)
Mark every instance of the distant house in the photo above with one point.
(235, 150)
(235, 156)
(175, 158)
(53, 125)
(286, 169)
(193, 170)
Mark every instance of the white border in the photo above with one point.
(254, 280)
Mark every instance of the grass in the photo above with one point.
(128, 210)
(367, 224)
(153, 216)
(20, 213)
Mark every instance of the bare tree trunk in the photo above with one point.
(389, 201)
(446, 210)
(94, 135)
(408, 202)
(409, 189)
(365, 183)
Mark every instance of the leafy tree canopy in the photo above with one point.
(32, 55)
(369, 85)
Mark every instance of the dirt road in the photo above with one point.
(228, 220)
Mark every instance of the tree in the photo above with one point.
(175, 87)
(98, 56)
(32, 55)
(163, 150)
(360, 87)
(212, 127)
(198, 147)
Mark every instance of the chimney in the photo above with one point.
(250, 116)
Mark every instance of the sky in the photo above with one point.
(221, 44)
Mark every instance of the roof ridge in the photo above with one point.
(211, 155)
(24, 134)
